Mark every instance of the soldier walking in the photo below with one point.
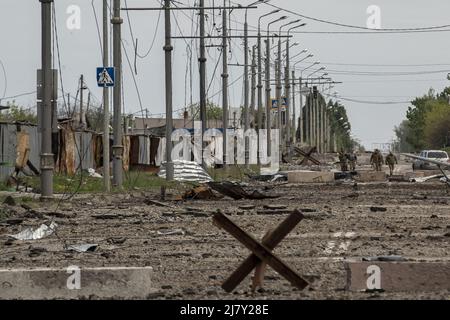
(376, 160)
(391, 161)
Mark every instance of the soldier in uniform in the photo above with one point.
(352, 159)
(343, 161)
(377, 160)
(391, 161)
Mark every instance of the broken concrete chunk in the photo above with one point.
(39, 233)
(88, 247)
(175, 232)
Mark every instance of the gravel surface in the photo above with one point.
(191, 257)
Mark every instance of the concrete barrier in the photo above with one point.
(398, 276)
(310, 177)
(76, 283)
(370, 176)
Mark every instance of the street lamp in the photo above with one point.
(268, 95)
(301, 52)
(320, 69)
(260, 85)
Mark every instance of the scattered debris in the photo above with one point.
(186, 171)
(425, 179)
(106, 216)
(9, 201)
(93, 174)
(116, 240)
(398, 178)
(378, 209)
(235, 191)
(274, 206)
(156, 203)
(39, 233)
(199, 193)
(272, 211)
(247, 207)
(385, 258)
(36, 251)
(175, 232)
(13, 221)
(88, 247)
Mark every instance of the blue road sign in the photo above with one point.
(105, 77)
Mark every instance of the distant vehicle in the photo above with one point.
(441, 165)
(433, 155)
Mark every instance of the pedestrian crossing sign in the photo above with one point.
(105, 77)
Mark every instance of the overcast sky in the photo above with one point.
(371, 123)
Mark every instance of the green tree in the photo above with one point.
(437, 126)
(18, 113)
(213, 111)
(403, 132)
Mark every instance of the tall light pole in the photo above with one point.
(47, 162)
(301, 114)
(225, 83)
(315, 114)
(268, 89)
(106, 172)
(309, 109)
(283, 134)
(117, 97)
(202, 70)
(260, 85)
(246, 81)
(168, 71)
(288, 87)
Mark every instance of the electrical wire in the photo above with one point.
(357, 27)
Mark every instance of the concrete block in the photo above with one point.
(76, 283)
(310, 177)
(398, 276)
(370, 176)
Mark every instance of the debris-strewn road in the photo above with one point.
(191, 257)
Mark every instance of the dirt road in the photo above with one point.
(192, 262)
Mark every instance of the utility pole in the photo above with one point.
(106, 169)
(47, 162)
(302, 115)
(68, 104)
(293, 121)
(117, 147)
(80, 114)
(268, 98)
(253, 85)
(246, 89)
(278, 95)
(225, 84)
(168, 70)
(287, 88)
(202, 61)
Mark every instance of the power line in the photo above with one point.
(358, 27)
(19, 95)
(98, 28)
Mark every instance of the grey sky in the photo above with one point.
(80, 53)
